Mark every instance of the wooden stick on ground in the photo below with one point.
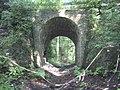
(82, 75)
(13, 62)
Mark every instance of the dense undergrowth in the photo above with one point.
(17, 19)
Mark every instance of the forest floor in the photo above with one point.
(63, 81)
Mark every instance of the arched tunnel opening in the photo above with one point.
(57, 27)
(61, 51)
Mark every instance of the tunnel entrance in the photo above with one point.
(73, 24)
(57, 27)
(61, 51)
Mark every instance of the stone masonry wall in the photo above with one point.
(53, 23)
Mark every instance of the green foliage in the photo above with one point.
(109, 34)
(3, 6)
(77, 71)
(118, 88)
(55, 62)
(80, 72)
(8, 80)
(16, 73)
(3, 63)
(19, 15)
(104, 19)
(6, 42)
(118, 75)
(18, 19)
(110, 18)
(83, 85)
(40, 73)
(49, 4)
(101, 72)
(6, 86)
(83, 4)
(89, 72)
(18, 22)
(66, 51)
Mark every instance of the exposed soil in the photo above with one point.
(90, 82)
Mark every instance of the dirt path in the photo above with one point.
(90, 82)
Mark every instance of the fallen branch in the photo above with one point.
(94, 59)
(118, 60)
(13, 62)
(80, 77)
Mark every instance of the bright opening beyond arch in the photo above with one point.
(61, 51)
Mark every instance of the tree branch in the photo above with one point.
(13, 62)
(80, 77)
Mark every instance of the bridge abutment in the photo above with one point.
(52, 23)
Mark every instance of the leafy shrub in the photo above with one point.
(6, 86)
(16, 73)
(40, 73)
(89, 72)
(3, 64)
(77, 72)
(119, 75)
(101, 71)
(55, 62)
(10, 80)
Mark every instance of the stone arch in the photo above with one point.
(60, 26)
(71, 23)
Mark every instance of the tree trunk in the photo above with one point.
(58, 48)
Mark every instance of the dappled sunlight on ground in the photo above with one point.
(52, 69)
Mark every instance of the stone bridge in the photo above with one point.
(52, 23)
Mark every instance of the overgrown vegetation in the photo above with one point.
(104, 19)
(61, 51)
(49, 4)
(17, 21)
